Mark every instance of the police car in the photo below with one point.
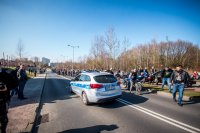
(96, 87)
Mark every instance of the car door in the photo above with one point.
(74, 83)
(80, 84)
(87, 81)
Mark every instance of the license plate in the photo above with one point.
(110, 87)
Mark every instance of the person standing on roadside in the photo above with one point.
(195, 75)
(110, 71)
(22, 81)
(35, 72)
(139, 71)
(153, 70)
(14, 74)
(133, 77)
(7, 82)
(166, 74)
(145, 73)
(179, 78)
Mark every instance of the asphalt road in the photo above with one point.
(149, 113)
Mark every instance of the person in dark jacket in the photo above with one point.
(139, 71)
(179, 78)
(14, 74)
(117, 75)
(110, 71)
(153, 70)
(7, 82)
(22, 81)
(133, 76)
(166, 74)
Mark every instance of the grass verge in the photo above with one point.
(187, 92)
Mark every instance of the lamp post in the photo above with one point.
(73, 46)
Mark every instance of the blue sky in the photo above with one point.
(46, 27)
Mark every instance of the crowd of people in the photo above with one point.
(11, 83)
(175, 80)
(67, 72)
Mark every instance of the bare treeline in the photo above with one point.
(108, 52)
(162, 54)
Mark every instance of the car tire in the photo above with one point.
(85, 99)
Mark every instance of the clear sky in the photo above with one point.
(46, 27)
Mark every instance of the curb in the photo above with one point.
(169, 95)
(30, 126)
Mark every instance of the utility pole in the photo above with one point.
(197, 56)
(73, 57)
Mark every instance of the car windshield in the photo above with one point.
(105, 79)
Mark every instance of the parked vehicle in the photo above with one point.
(157, 77)
(190, 83)
(195, 76)
(137, 84)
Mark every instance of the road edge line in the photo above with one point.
(38, 109)
(155, 116)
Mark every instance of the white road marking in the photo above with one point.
(64, 77)
(166, 119)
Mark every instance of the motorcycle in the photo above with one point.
(134, 85)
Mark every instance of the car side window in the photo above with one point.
(87, 78)
(77, 78)
(82, 78)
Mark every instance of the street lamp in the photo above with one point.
(73, 46)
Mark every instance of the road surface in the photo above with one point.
(63, 112)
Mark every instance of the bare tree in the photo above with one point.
(106, 52)
(112, 44)
(98, 51)
(20, 48)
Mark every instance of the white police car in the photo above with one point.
(96, 87)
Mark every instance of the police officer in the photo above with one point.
(7, 82)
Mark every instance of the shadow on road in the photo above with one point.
(54, 89)
(193, 100)
(130, 97)
(133, 98)
(32, 91)
(93, 129)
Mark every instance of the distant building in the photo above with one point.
(45, 61)
(24, 59)
(35, 59)
(54, 64)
